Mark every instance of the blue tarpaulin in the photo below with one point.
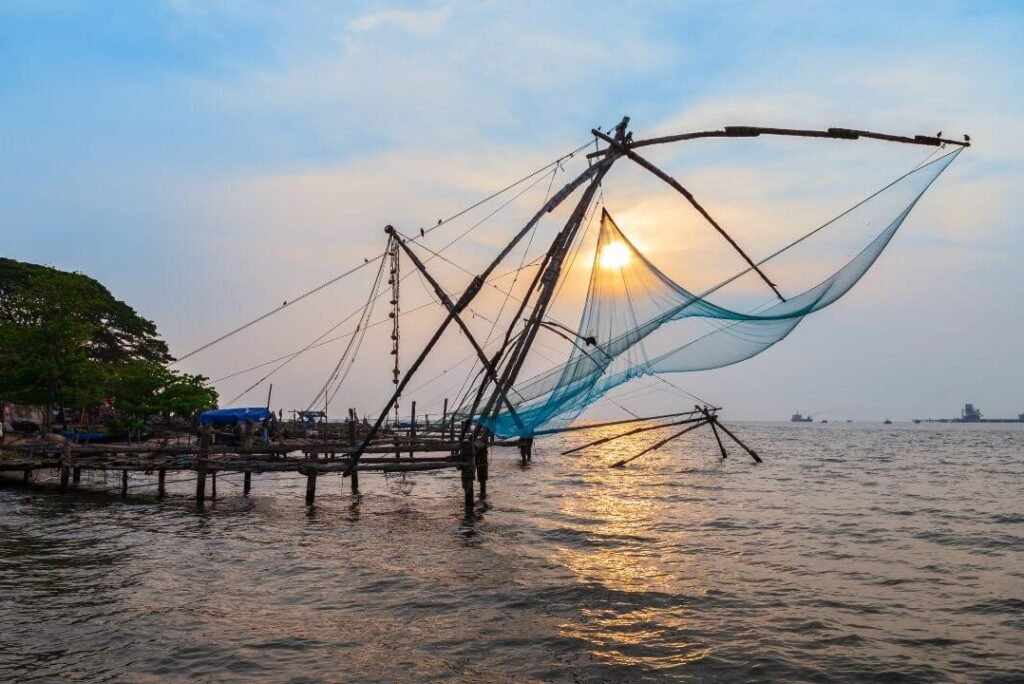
(230, 416)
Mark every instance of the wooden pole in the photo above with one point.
(26, 477)
(161, 482)
(354, 477)
(468, 466)
(201, 459)
(633, 156)
(481, 469)
(660, 444)
(474, 289)
(412, 430)
(246, 483)
(444, 416)
(718, 438)
(65, 467)
(213, 484)
(310, 486)
(753, 454)
(124, 483)
(76, 475)
(646, 428)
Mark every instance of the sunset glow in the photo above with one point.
(615, 255)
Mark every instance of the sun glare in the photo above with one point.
(615, 255)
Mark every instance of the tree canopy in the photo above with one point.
(66, 340)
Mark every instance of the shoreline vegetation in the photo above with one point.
(86, 358)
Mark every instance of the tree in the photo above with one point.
(66, 341)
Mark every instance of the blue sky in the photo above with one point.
(207, 160)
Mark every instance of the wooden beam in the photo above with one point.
(634, 157)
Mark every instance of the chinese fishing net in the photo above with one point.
(630, 304)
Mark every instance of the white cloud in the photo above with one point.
(415, 22)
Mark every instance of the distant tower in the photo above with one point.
(971, 414)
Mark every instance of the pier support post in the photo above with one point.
(213, 484)
(246, 483)
(124, 483)
(161, 482)
(525, 449)
(412, 430)
(468, 468)
(311, 474)
(201, 460)
(355, 481)
(481, 469)
(65, 467)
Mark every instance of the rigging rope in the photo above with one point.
(380, 256)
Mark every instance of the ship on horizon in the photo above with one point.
(799, 418)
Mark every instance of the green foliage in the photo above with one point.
(65, 340)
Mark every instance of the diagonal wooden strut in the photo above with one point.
(658, 445)
(450, 306)
(634, 431)
(470, 293)
(633, 156)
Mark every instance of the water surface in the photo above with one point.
(854, 553)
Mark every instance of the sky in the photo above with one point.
(208, 161)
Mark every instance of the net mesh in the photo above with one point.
(637, 321)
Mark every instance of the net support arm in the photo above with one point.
(470, 293)
(833, 133)
(454, 312)
(633, 156)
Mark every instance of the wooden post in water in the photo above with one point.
(412, 430)
(310, 486)
(65, 466)
(444, 417)
(161, 482)
(481, 469)
(213, 484)
(76, 475)
(468, 468)
(246, 483)
(354, 477)
(352, 427)
(124, 483)
(201, 460)
(26, 477)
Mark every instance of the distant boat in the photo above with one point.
(824, 420)
(886, 422)
(797, 418)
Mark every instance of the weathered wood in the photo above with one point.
(751, 452)
(246, 483)
(714, 430)
(213, 484)
(311, 475)
(65, 467)
(658, 445)
(76, 475)
(645, 428)
(755, 131)
(124, 483)
(161, 482)
(627, 421)
(474, 289)
(634, 157)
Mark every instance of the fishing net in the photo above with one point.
(637, 321)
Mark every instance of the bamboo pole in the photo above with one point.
(658, 445)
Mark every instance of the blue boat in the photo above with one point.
(229, 417)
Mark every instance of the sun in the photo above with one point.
(615, 255)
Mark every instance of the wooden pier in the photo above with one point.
(204, 460)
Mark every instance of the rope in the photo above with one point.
(378, 257)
